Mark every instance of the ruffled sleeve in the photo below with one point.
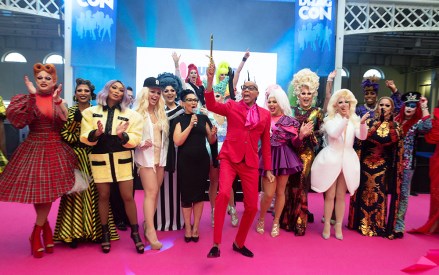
(21, 111)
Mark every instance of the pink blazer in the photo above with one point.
(241, 143)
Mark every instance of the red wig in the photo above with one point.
(191, 67)
(415, 118)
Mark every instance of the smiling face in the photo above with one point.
(154, 96)
(305, 97)
(190, 103)
(342, 106)
(45, 82)
(115, 94)
(83, 93)
(249, 92)
(370, 98)
(169, 94)
(273, 106)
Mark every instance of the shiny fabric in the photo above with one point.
(381, 175)
(294, 217)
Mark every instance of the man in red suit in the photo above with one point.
(247, 124)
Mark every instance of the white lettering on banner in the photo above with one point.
(313, 9)
(95, 3)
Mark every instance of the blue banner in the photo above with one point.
(314, 39)
(94, 33)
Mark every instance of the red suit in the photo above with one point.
(239, 156)
(433, 218)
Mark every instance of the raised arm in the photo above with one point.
(176, 59)
(239, 69)
(329, 84)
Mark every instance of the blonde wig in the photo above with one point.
(142, 104)
(281, 98)
(332, 106)
(304, 77)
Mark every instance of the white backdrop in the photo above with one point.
(153, 61)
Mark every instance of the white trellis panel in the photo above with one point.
(378, 16)
(46, 8)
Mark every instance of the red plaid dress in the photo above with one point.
(42, 167)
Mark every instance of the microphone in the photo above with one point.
(195, 111)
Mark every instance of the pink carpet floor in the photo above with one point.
(286, 254)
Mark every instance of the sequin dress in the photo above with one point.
(294, 216)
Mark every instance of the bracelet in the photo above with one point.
(330, 79)
(58, 102)
(244, 59)
(424, 108)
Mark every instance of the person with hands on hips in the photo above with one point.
(247, 124)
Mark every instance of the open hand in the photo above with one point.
(30, 86)
(122, 127)
(364, 117)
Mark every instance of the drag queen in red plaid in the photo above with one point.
(42, 168)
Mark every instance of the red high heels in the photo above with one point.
(48, 238)
(36, 246)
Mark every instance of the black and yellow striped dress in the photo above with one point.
(3, 160)
(78, 214)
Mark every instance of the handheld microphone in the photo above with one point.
(195, 111)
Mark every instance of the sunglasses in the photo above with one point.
(169, 91)
(191, 100)
(387, 105)
(410, 104)
(250, 88)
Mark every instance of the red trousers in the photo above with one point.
(249, 180)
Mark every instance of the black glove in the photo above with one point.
(230, 73)
(231, 88)
(77, 116)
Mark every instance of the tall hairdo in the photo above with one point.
(191, 67)
(48, 68)
(168, 79)
(304, 77)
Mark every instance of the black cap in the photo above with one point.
(411, 97)
(151, 82)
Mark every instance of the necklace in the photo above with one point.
(370, 109)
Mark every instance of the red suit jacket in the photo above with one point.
(241, 143)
